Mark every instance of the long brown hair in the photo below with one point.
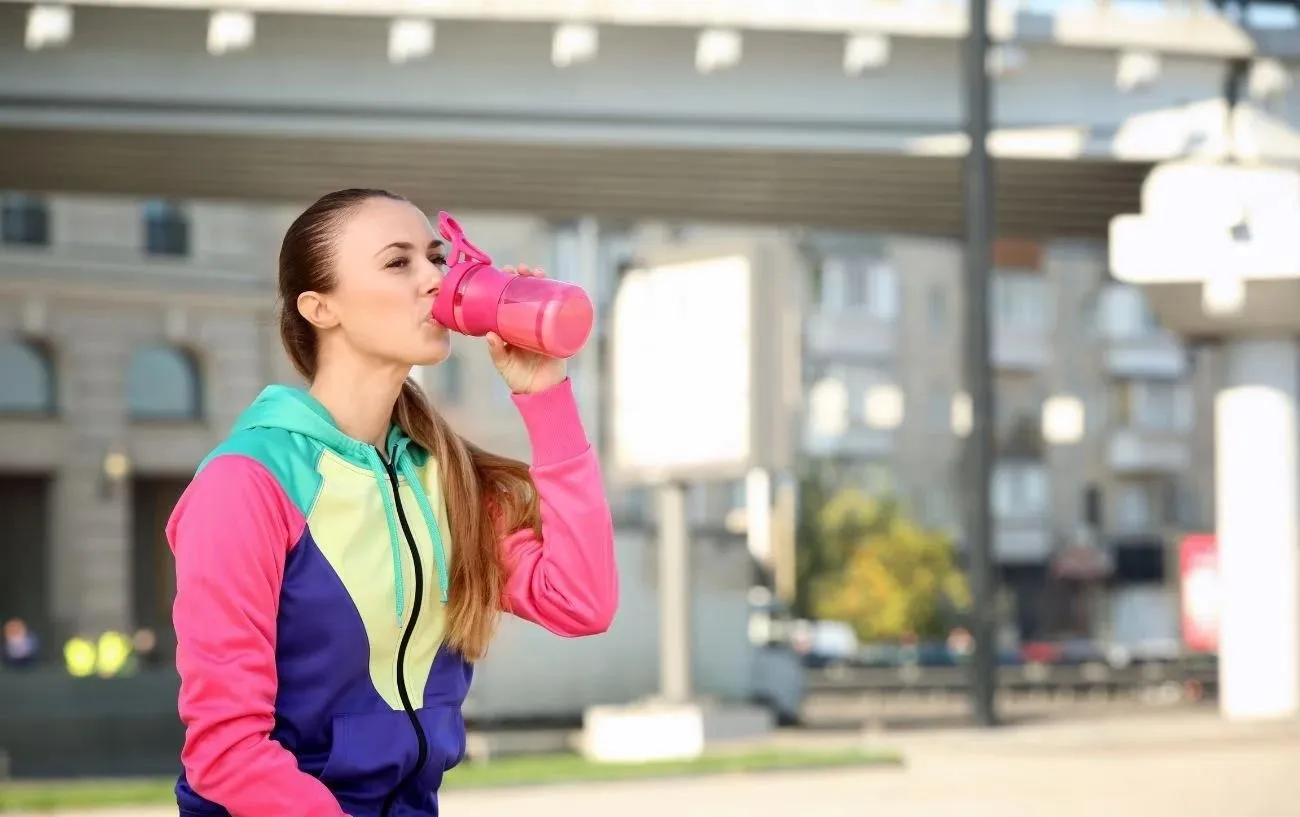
(487, 495)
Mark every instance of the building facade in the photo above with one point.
(134, 331)
(886, 325)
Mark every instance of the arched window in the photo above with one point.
(27, 375)
(163, 383)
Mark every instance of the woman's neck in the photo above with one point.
(360, 396)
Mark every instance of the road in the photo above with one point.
(1186, 766)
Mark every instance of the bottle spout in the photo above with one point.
(461, 250)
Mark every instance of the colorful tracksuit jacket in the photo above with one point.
(312, 576)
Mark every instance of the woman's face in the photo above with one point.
(389, 266)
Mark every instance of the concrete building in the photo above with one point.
(134, 333)
(889, 313)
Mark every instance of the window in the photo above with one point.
(1147, 504)
(163, 383)
(24, 220)
(1019, 490)
(27, 372)
(856, 283)
(938, 410)
(632, 505)
(1136, 507)
(855, 384)
(1153, 405)
(566, 253)
(697, 503)
(166, 229)
(874, 478)
(828, 407)
(737, 494)
(1020, 301)
(936, 309)
(1124, 313)
(1183, 506)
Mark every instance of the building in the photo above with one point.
(887, 321)
(134, 332)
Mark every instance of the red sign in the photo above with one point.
(1198, 557)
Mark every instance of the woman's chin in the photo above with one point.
(433, 352)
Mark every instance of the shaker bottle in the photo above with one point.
(553, 318)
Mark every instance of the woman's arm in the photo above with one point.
(567, 580)
(231, 532)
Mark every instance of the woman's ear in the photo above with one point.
(317, 310)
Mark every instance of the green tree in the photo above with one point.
(882, 572)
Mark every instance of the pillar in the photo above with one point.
(1257, 502)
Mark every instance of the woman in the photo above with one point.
(343, 557)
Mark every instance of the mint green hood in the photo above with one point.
(296, 411)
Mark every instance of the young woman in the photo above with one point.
(343, 557)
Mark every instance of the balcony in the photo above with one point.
(1022, 542)
(1136, 451)
(1020, 350)
(1019, 541)
(856, 442)
(1154, 355)
(853, 333)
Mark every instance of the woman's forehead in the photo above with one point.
(384, 221)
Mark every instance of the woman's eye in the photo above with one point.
(398, 263)
(438, 260)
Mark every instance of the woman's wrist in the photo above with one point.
(553, 423)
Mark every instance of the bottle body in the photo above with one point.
(553, 318)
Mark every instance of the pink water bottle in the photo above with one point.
(553, 318)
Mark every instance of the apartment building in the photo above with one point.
(133, 332)
(886, 326)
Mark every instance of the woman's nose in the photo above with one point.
(432, 279)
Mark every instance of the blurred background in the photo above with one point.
(152, 154)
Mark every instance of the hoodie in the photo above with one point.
(311, 584)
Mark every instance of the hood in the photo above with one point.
(295, 410)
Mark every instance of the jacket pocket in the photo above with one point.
(373, 754)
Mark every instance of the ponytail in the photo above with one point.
(487, 496)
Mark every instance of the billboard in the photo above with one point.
(705, 363)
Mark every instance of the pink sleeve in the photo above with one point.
(567, 580)
(231, 532)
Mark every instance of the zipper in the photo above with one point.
(421, 740)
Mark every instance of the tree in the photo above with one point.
(894, 577)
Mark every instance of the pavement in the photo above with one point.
(1158, 765)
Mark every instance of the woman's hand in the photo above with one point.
(525, 372)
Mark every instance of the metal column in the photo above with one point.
(979, 203)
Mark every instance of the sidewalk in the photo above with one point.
(1157, 765)
(1149, 732)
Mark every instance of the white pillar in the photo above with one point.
(1257, 500)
